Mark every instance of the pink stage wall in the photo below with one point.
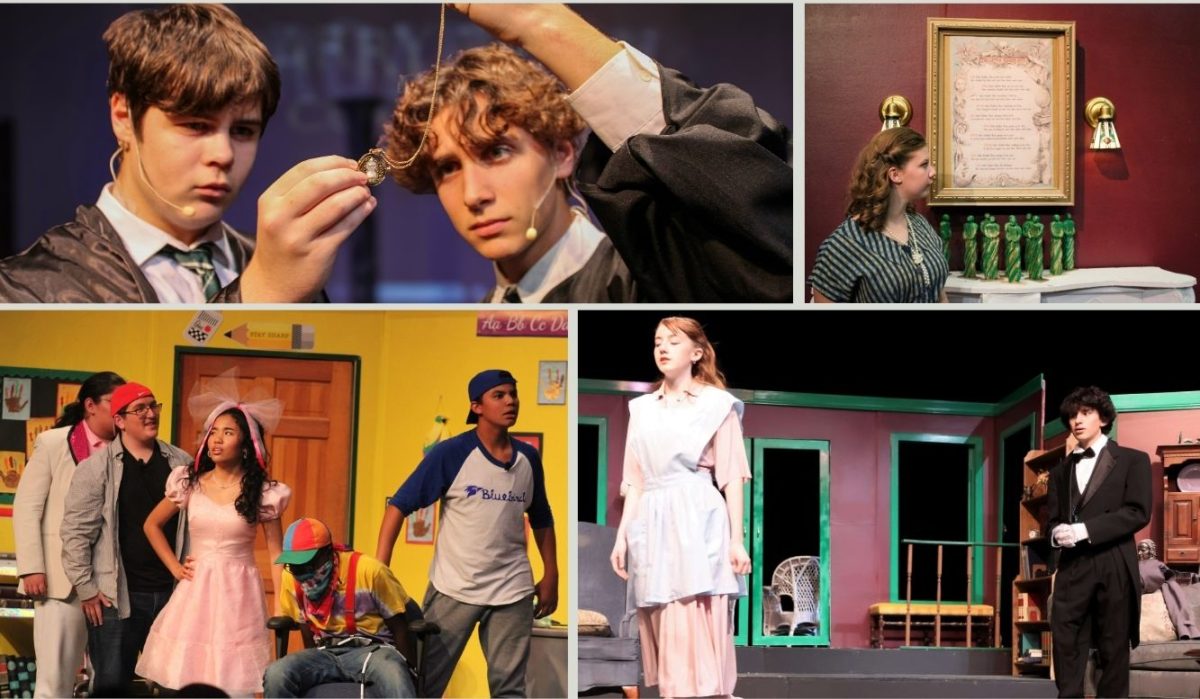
(860, 487)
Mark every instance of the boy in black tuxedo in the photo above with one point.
(1099, 497)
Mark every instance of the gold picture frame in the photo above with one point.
(1000, 100)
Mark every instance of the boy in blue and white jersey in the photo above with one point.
(487, 483)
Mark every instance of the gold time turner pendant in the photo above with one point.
(375, 164)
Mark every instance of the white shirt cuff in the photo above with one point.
(1081, 533)
(622, 99)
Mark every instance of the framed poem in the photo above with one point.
(1000, 99)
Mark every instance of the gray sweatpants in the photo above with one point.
(504, 633)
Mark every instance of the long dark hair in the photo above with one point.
(95, 387)
(253, 478)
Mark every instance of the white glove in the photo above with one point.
(1064, 536)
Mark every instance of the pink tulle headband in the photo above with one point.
(221, 396)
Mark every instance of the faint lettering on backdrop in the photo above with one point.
(1001, 112)
(521, 324)
(320, 64)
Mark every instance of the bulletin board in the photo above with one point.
(30, 401)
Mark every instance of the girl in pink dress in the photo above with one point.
(213, 629)
(684, 541)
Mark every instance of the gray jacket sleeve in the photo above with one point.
(83, 517)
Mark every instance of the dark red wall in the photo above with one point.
(1130, 206)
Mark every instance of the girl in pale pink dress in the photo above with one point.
(213, 629)
(684, 541)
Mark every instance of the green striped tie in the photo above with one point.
(199, 261)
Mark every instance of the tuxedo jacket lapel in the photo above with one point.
(1104, 466)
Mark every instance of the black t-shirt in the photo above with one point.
(143, 485)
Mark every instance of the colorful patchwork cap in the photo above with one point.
(303, 539)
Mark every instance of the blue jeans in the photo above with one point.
(115, 644)
(386, 674)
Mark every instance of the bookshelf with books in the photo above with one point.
(1031, 646)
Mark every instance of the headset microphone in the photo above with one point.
(188, 211)
(531, 233)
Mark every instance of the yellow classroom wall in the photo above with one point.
(414, 365)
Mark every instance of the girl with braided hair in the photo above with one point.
(884, 252)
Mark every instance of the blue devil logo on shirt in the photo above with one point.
(491, 494)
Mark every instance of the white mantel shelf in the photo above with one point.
(1094, 285)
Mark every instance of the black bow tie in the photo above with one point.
(1078, 456)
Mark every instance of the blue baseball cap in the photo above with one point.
(484, 381)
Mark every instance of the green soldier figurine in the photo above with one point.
(1056, 246)
(947, 234)
(1012, 249)
(1034, 253)
(991, 248)
(1069, 243)
(970, 251)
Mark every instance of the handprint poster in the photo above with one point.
(32, 401)
(552, 383)
(420, 525)
(16, 398)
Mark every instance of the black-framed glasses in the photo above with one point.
(141, 410)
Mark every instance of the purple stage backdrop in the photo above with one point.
(55, 136)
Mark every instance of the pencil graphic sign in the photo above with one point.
(278, 336)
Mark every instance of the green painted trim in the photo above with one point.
(1031, 388)
(1026, 422)
(21, 372)
(356, 382)
(1145, 402)
(605, 386)
(742, 636)
(812, 400)
(1137, 403)
(601, 424)
(975, 500)
(758, 576)
(7, 498)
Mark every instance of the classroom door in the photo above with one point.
(311, 449)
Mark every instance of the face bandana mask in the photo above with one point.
(317, 589)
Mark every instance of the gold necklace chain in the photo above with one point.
(376, 164)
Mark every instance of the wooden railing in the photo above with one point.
(937, 620)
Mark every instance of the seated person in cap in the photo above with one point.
(371, 646)
(487, 482)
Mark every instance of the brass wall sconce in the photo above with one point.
(895, 111)
(1099, 113)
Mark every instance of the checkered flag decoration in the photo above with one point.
(202, 327)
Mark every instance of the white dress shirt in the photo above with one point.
(172, 282)
(1083, 473)
(566, 257)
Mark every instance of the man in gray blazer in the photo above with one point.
(59, 630)
(121, 582)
